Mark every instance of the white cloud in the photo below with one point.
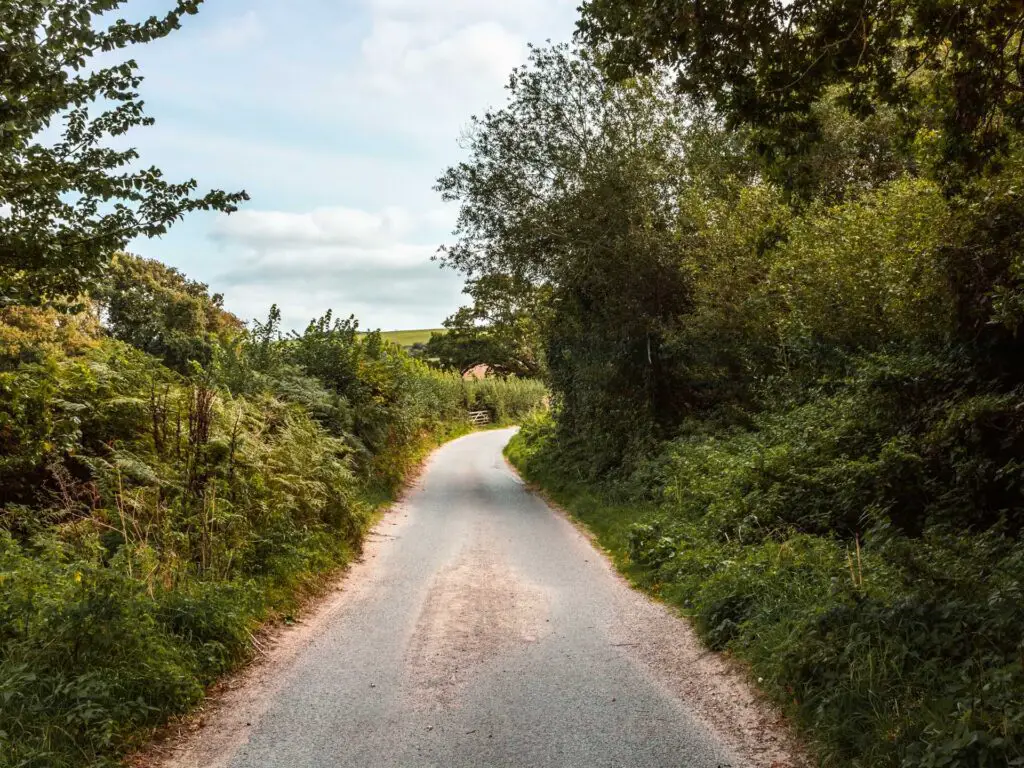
(325, 227)
(322, 226)
(522, 13)
(407, 300)
(337, 120)
(323, 264)
(389, 286)
(422, 77)
(413, 69)
(419, 60)
(376, 265)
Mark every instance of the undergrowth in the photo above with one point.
(155, 509)
(829, 553)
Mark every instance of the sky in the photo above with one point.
(336, 118)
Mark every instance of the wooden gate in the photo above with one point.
(480, 418)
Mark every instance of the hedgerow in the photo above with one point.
(826, 547)
(154, 508)
(779, 308)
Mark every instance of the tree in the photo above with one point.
(765, 63)
(572, 188)
(946, 77)
(501, 329)
(157, 309)
(71, 202)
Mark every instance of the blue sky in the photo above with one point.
(336, 117)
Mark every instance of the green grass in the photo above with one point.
(408, 338)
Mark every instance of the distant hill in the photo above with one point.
(408, 338)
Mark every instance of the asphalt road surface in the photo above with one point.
(484, 631)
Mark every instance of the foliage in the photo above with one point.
(983, 260)
(889, 649)
(509, 400)
(157, 309)
(29, 334)
(767, 63)
(780, 311)
(867, 272)
(71, 202)
(501, 330)
(170, 479)
(127, 488)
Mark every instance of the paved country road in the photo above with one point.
(482, 629)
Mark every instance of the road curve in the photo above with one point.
(485, 631)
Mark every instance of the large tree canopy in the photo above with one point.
(68, 201)
(157, 309)
(766, 62)
(573, 188)
(531, 162)
(501, 329)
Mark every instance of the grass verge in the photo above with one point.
(893, 651)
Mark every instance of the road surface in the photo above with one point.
(483, 630)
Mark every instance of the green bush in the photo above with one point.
(151, 518)
(826, 548)
(85, 662)
(509, 399)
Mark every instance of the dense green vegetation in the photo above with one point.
(776, 250)
(500, 330)
(169, 479)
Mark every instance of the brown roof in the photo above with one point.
(477, 372)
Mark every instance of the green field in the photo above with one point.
(408, 338)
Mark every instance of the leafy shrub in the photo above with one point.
(827, 547)
(154, 511)
(508, 398)
(84, 661)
